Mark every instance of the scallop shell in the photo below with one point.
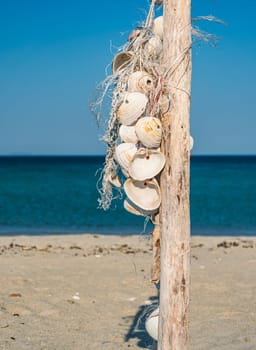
(191, 140)
(153, 47)
(146, 164)
(114, 180)
(131, 209)
(121, 61)
(135, 210)
(124, 154)
(140, 81)
(144, 194)
(158, 27)
(125, 172)
(149, 131)
(151, 324)
(127, 134)
(132, 108)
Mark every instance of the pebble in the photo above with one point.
(132, 299)
(76, 296)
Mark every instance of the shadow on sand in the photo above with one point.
(137, 329)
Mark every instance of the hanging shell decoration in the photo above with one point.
(114, 180)
(146, 164)
(153, 47)
(144, 194)
(191, 142)
(158, 27)
(127, 134)
(132, 107)
(152, 324)
(124, 154)
(121, 61)
(134, 132)
(149, 131)
(131, 208)
(140, 82)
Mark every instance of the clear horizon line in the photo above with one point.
(103, 155)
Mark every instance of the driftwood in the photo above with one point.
(155, 271)
(174, 213)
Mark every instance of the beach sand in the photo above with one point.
(91, 292)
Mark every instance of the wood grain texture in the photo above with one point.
(155, 271)
(175, 180)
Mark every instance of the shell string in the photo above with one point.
(120, 80)
(150, 16)
(114, 88)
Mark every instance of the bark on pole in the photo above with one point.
(175, 180)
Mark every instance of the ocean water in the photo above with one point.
(45, 195)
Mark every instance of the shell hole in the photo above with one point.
(147, 157)
(126, 101)
(148, 82)
(145, 184)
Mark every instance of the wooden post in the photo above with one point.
(175, 212)
(155, 271)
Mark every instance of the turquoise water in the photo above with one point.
(43, 195)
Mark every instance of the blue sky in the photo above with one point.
(53, 54)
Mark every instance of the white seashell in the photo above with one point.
(124, 154)
(114, 180)
(121, 61)
(149, 131)
(191, 142)
(146, 164)
(125, 172)
(76, 296)
(132, 108)
(140, 82)
(158, 26)
(144, 194)
(152, 324)
(127, 134)
(153, 47)
(131, 209)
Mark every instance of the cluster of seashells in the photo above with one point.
(140, 133)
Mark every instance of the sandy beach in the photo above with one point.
(93, 292)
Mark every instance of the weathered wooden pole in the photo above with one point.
(175, 184)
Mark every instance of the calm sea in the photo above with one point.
(43, 195)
